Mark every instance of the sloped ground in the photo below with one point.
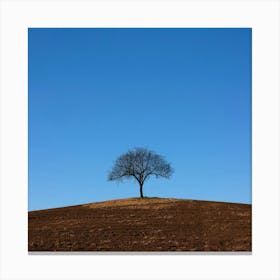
(153, 224)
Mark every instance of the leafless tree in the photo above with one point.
(140, 164)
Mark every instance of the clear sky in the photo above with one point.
(96, 93)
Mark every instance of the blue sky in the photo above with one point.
(96, 93)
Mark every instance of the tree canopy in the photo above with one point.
(140, 164)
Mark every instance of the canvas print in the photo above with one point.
(139, 139)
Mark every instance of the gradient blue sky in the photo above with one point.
(95, 93)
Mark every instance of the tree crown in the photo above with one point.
(140, 163)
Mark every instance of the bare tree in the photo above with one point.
(140, 164)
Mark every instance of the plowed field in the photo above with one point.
(151, 224)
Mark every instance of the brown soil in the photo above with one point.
(151, 224)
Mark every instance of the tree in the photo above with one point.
(140, 164)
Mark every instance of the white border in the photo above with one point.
(262, 16)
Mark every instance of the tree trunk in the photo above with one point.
(141, 190)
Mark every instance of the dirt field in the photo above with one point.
(153, 224)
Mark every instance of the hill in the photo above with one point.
(151, 224)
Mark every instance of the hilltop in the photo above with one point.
(151, 224)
